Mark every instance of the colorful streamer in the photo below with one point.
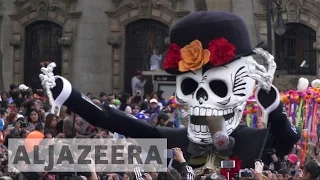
(303, 109)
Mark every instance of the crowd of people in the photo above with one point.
(24, 111)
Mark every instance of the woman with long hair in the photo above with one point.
(33, 119)
(51, 124)
(125, 100)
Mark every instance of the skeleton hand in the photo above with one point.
(48, 81)
(260, 74)
(47, 78)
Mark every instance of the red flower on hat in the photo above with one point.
(173, 57)
(221, 51)
(235, 170)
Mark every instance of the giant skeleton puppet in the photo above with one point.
(211, 55)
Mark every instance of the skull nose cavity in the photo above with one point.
(202, 95)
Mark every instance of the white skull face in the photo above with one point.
(219, 91)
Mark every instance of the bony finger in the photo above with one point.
(260, 73)
(255, 77)
(257, 50)
(258, 78)
(261, 68)
(260, 52)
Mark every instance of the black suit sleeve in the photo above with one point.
(114, 119)
(286, 134)
(106, 117)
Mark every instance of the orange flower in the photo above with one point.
(193, 57)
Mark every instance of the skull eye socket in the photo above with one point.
(189, 86)
(219, 88)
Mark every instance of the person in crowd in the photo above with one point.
(15, 106)
(35, 105)
(311, 171)
(3, 114)
(96, 101)
(135, 109)
(155, 60)
(33, 119)
(156, 97)
(11, 119)
(84, 125)
(185, 172)
(147, 98)
(153, 119)
(160, 97)
(125, 100)
(13, 87)
(18, 125)
(111, 98)
(4, 96)
(162, 119)
(293, 161)
(13, 92)
(70, 127)
(137, 85)
(89, 94)
(103, 97)
(143, 106)
(39, 128)
(51, 126)
(24, 133)
(141, 114)
(153, 107)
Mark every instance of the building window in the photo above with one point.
(294, 47)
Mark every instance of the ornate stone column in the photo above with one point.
(66, 42)
(116, 42)
(16, 43)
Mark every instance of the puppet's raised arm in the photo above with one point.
(268, 97)
(286, 134)
(61, 92)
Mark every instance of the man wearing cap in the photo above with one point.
(137, 85)
(293, 161)
(153, 107)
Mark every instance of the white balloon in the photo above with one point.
(303, 84)
(315, 83)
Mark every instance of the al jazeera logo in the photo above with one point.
(70, 155)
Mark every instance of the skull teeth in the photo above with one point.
(203, 111)
(199, 129)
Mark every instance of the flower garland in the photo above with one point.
(193, 57)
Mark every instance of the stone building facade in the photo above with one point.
(92, 37)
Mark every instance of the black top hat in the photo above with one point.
(207, 39)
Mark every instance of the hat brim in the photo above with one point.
(262, 44)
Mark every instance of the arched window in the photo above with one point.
(142, 36)
(294, 47)
(41, 46)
